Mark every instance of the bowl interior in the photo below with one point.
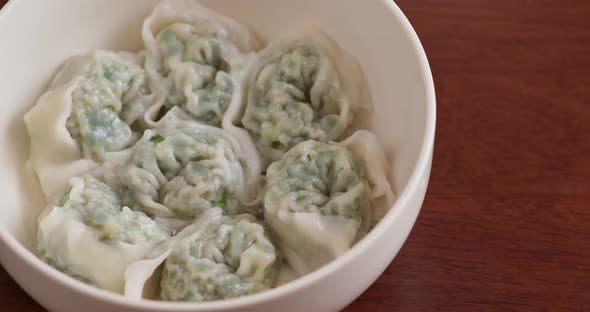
(38, 35)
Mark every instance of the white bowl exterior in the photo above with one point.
(37, 35)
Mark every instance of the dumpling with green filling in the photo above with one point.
(109, 104)
(194, 57)
(217, 257)
(181, 168)
(321, 197)
(94, 108)
(302, 88)
(88, 234)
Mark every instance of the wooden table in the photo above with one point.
(506, 221)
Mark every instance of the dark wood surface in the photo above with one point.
(506, 221)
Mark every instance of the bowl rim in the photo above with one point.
(421, 166)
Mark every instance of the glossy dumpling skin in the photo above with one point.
(89, 235)
(319, 198)
(182, 168)
(227, 257)
(95, 107)
(300, 88)
(194, 56)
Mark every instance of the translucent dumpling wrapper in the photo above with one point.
(109, 105)
(182, 168)
(194, 59)
(217, 257)
(303, 87)
(87, 234)
(94, 108)
(320, 198)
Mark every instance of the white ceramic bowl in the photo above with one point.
(37, 35)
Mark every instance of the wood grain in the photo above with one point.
(506, 221)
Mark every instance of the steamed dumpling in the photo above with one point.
(108, 104)
(200, 82)
(181, 169)
(95, 106)
(229, 256)
(215, 257)
(301, 88)
(320, 196)
(194, 57)
(316, 183)
(89, 235)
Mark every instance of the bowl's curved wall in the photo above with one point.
(37, 35)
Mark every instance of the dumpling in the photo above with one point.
(89, 235)
(320, 198)
(217, 257)
(194, 56)
(301, 88)
(95, 106)
(182, 168)
(109, 103)
(230, 257)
